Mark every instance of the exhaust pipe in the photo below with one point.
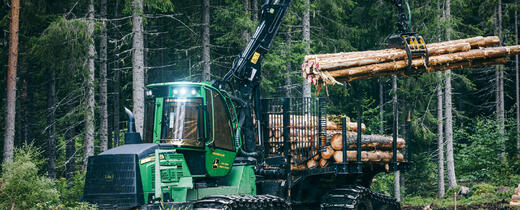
(131, 136)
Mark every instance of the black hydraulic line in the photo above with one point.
(403, 21)
(286, 143)
(344, 138)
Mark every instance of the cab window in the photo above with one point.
(222, 124)
(182, 122)
(149, 120)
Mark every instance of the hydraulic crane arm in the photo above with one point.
(403, 20)
(244, 77)
(245, 72)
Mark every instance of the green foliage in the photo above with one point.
(384, 183)
(482, 189)
(22, 187)
(478, 153)
(482, 193)
(71, 191)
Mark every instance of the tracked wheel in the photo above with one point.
(357, 197)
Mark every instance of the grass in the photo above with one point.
(479, 194)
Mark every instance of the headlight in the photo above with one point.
(148, 93)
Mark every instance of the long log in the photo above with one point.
(367, 141)
(372, 156)
(494, 52)
(475, 42)
(382, 56)
(453, 66)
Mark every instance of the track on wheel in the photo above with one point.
(234, 202)
(357, 197)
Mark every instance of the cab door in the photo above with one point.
(220, 154)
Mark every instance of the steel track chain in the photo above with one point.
(235, 202)
(349, 197)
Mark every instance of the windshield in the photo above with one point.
(181, 123)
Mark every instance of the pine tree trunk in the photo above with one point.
(206, 54)
(307, 39)
(90, 99)
(51, 122)
(103, 109)
(452, 180)
(254, 8)
(440, 126)
(517, 84)
(138, 64)
(116, 83)
(26, 119)
(500, 89)
(397, 183)
(440, 139)
(245, 34)
(70, 150)
(11, 81)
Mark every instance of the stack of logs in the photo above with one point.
(375, 148)
(304, 142)
(345, 67)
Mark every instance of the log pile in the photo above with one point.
(304, 141)
(345, 67)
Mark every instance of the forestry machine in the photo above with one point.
(219, 146)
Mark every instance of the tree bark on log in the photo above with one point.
(324, 163)
(367, 141)
(494, 52)
(474, 42)
(368, 156)
(453, 66)
(380, 56)
(327, 153)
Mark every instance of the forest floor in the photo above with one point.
(477, 202)
(498, 205)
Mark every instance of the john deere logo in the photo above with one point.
(109, 177)
(215, 164)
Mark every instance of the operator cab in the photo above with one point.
(195, 118)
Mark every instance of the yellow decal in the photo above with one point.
(148, 159)
(224, 167)
(218, 154)
(109, 177)
(215, 164)
(255, 58)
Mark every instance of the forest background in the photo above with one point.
(79, 63)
